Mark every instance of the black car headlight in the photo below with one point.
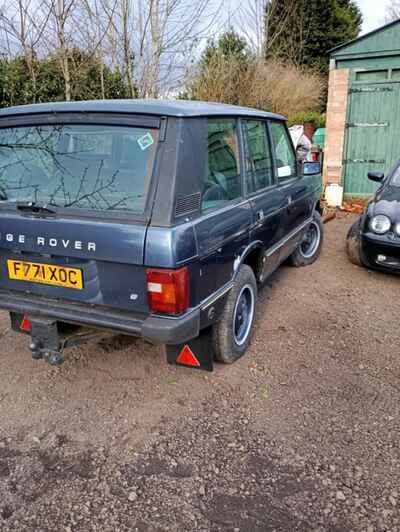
(380, 224)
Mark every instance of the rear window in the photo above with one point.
(95, 167)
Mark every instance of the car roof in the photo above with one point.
(177, 108)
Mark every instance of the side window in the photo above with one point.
(286, 165)
(259, 169)
(222, 182)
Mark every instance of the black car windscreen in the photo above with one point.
(96, 167)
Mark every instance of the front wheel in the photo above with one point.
(353, 246)
(310, 248)
(231, 335)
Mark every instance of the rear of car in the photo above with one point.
(77, 190)
(73, 201)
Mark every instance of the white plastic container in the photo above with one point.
(334, 195)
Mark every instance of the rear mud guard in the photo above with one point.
(197, 353)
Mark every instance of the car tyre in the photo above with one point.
(231, 335)
(310, 249)
(353, 245)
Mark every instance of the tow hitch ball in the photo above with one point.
(45, 341)
(55, 358)
(49, 338)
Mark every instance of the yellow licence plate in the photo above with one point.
(45, 274)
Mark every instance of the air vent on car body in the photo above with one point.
(187, 204)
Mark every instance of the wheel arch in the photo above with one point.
(318, 207)
(252, 256)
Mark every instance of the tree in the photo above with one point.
(96, 25)
(128, 55)
(229, 45)
(149, 43)
(393, 11)
(167, 33)
(348, 20)
(86, 83)
(19, 27)
(250, 18)
(310, 29)
(223, 70)
(230, 72)
(271, 86)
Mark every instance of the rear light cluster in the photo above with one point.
(168, 290)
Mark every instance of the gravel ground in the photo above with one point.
(300, 435)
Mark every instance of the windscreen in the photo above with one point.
(96, 167)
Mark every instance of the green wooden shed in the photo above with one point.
(363, 115)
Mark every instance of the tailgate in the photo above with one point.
(94, 262)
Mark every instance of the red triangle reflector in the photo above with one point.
(187, 358)
(25, 325)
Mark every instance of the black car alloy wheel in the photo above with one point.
(232, 333)
(311, 240)
(243, 314)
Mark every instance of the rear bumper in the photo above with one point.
(156, 329)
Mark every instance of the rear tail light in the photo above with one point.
(168, 290)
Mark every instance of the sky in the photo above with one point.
(374, 13)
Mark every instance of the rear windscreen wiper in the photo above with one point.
(36, 208)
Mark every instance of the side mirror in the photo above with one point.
(311, 168)
(376, 176)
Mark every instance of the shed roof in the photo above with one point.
(381, 42)
(177, 108)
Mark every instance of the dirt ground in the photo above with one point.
(303, 434)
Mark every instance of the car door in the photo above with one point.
(294, 187)
(222, 232)
(266, 198)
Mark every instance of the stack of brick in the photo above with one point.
(336, 125)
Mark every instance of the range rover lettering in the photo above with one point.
(157, 219)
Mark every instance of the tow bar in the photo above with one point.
(48, 339)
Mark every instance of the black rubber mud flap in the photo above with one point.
(197, 353)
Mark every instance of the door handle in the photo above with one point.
(260, 215)
(291, 206)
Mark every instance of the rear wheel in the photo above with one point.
(310, 248)
(353, 246)
(231, 335)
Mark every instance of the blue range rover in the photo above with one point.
(156, 219)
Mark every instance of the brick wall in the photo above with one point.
(335, 124)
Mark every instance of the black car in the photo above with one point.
(374, 240)
(155, 219)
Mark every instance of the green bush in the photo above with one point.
(318, 119)
(17, 86)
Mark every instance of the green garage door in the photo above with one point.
(372, 135)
